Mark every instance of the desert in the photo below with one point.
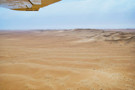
(76, 59)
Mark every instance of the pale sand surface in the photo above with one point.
(67, 60)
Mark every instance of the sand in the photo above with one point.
(67, 60)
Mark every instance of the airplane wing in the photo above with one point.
(26, 5)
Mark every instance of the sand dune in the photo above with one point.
(67, 60)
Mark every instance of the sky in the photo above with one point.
(71, 14)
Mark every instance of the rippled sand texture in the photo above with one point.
(67, 60)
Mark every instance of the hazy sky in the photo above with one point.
(73, 14)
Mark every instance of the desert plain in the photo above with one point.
(77, 59)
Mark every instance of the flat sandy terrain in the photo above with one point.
(67, 60)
